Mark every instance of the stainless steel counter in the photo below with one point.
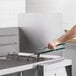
(22, 63)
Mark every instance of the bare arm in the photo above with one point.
(67, 36)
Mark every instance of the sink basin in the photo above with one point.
(19, 60)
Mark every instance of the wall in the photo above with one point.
(69, 13)
(9, 10)
(66, 7)
(44, 6)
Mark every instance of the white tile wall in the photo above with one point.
(44, 6)
(9, 10)
(69, 13)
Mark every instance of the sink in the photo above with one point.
(16, 60)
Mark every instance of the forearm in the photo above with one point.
(69, 35)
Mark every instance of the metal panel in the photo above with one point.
(36, 30)
(9, 40)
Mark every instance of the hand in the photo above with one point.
(53, 44)
(50, 46)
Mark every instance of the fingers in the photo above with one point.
(50, 46)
